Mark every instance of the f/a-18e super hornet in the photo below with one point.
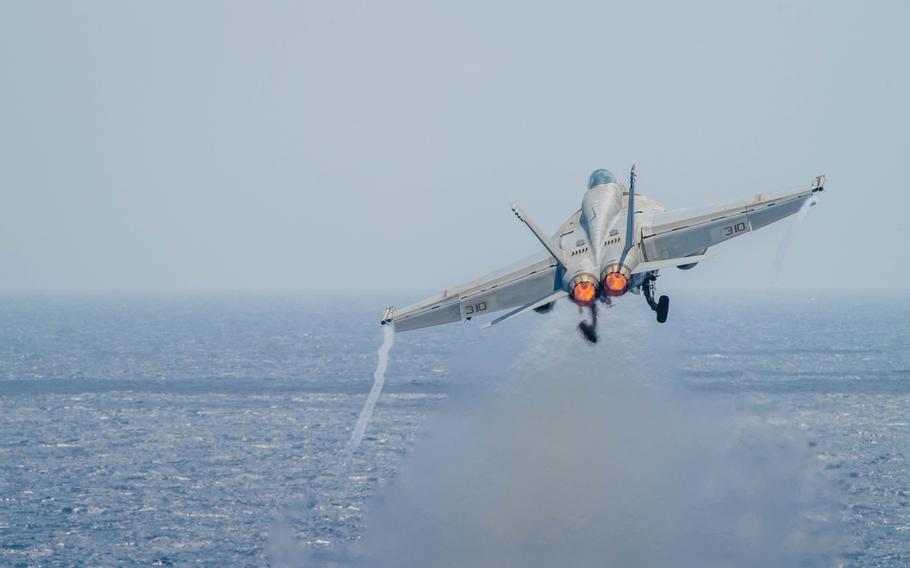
(616, 243)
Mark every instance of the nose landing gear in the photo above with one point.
(662, 305)
(589, 330)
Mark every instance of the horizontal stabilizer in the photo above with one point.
(671, 262)
(527, 308)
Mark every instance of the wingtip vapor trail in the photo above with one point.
(788, 239)
(388, 339)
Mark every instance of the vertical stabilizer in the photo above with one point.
(630, 218)
(546, 241)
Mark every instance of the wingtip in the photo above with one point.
(819, 184)
(387, 316)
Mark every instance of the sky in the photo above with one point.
(364, 146)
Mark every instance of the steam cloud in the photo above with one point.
(592, 456)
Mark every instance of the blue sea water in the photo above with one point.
(187, 428)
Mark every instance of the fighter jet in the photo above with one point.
(615, 244)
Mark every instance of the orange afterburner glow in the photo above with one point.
(584, 293)
(616, 284)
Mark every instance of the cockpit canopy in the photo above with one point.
(600, 177)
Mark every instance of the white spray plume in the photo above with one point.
(597, 457)
(388, 339)
(788, 239)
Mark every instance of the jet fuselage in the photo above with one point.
(594, 246)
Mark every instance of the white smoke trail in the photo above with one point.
(788, 240)
(363, 420)
(284, 549)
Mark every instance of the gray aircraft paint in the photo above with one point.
(590, 243)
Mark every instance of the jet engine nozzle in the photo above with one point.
(615, 284)
(584, 289)
(616, 279)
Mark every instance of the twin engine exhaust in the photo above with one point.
(585, 288)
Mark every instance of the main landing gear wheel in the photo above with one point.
(663, 307)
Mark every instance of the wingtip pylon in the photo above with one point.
(819, 183)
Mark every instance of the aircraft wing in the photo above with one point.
(687, 232)
(525, 282)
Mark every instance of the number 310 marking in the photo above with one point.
(481, 307)
(733, 229)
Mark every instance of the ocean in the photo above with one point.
(762, 428)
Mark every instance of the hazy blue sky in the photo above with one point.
(314, 145)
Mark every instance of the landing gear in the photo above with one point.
(662, 305)
(589, 330)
